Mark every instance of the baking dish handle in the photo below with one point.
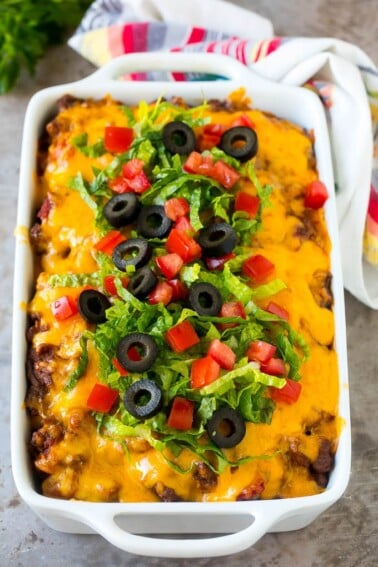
(206, 63)
(214, 546)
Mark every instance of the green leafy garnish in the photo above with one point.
(246, 374)
(268, 289)
(74, 280)
(80, 142)
(80, 368)
(27, 28)
(78, 184)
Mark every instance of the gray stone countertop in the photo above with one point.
(347, 534)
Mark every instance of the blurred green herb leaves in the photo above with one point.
(27, 28)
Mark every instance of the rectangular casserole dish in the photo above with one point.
(120, 523)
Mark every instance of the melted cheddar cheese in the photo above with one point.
(74, 459)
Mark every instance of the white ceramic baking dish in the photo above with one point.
(233, 526)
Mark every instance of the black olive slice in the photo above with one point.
(133, 252)
(217, 239)
(142, 282)
(122, 210)
(153, 222)
(146, 347)
(143, 399)
(239, 142)
(205, 299)
(178, 138)
(92, 306)
(226, 427)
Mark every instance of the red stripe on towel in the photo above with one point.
(373, 204)
(273, 45)
(196, 35)
(210, 47)
(240, 51)
(128, 38)
(134, 37)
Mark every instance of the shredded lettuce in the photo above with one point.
(235, 286)
(80, 142)
(195, 206)
(190, 274)
(128, 112)
(248, 373)
(254, 406)
(221, 205)
(74, 280)
(78, 184)
(219, 154)
(268, 289)
(245, 226)
(80, 369)
(143, 149)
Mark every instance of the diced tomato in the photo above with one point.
(222, 354)
(204, 371)
(176, 207)
(117, 138)
(109, 242)
(64, 307)
(212, 133)
(218, 263)
(181, 414)
(274, 366)
(119, 185)
(169, 265)
(289, 394)
(109, 284)
(139, 184)
(183, 225)
(132, 168)
(225, 174)
(258, 268)
(179, 290)
(210, 136)
(162, 293)
(118, 366)
(260, 351)
(185, 246)
(45, 208)
(232, 309)
(192, 162)
(215, 129)
(182, 336)
(102, 398)
(133, 354)
(316, 195)
(247, 203)
(199, 164)
(243, 120)
(277, 310)
(207, 141)
(206, 166)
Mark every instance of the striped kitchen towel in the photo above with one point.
(342, 75)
